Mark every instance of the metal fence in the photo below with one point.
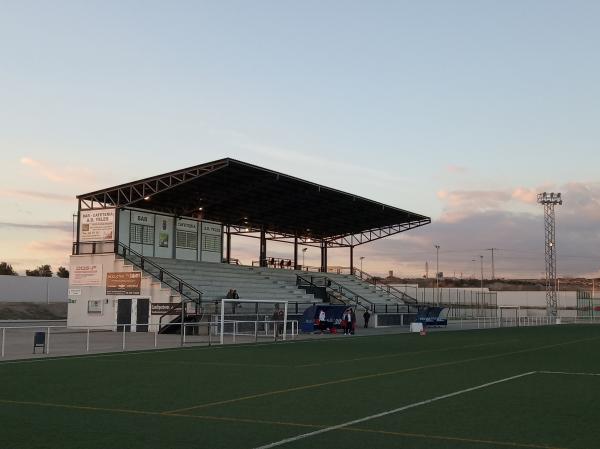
(518, 321)
(59, 340)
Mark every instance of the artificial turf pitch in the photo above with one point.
(251, 396)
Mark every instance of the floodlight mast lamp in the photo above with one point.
(549, 200)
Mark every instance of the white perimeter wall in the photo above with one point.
(33, 289)
(505, 298)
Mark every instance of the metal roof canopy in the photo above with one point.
(248, 198)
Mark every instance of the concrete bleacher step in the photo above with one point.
(215, 280)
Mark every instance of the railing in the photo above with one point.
(17, 342)
(388, 289)
(333, 288)
(174, 282)
(275, 262)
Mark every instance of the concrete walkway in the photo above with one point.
(17, 339)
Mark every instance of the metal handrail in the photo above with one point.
(341, 289)
(161, 273)
(405, 297)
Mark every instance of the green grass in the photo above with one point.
(247, 396)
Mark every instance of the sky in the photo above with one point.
(461, 111)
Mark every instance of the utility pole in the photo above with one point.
(493, 267)
(481, 259)
(549, 200)
(437, 272)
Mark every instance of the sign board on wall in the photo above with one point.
(86, 275)
(123, 283)
(96, 225)
(187, 225)
(211, 228)
(211, 237)
(160, 308)
(142, 218)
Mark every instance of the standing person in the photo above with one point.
(277, 321)
(353, 323)
(348, 320)
(366, 316)
(322, 322)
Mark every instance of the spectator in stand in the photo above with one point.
(366, 316)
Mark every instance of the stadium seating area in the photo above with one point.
(215, 280)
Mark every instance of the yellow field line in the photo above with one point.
(372, 376)
(277, 423)
(79, 407)
(151, 413)
(400, 354)
(458, 439)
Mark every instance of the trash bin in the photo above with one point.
(39, 341)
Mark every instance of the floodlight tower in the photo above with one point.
(549, 200)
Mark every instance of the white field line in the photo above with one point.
(391, 412)
(565, 373)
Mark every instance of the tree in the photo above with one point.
(41, 271)
(7, 269)
(62, 272)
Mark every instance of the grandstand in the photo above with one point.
(175, 230)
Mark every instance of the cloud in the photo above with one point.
(455, 169)
(459, 204)
(42, 169)
(525, 195)
(65, 226)
(36, 195)
(474, 221)
(63, 175)
(61, 246)
(294, 158)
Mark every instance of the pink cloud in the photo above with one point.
(456, 169)
(525, 195)
(63, 175)
(35, 195)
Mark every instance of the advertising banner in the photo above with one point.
(86, 275)
(97, 225)
(160, 308)
(123, 283)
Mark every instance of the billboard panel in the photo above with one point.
(97, 225)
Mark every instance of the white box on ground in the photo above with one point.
(416, 327)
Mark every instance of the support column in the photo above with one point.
(228, 254)
(323, 257)
(263, 248)
(295, 252)
(352, 260)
